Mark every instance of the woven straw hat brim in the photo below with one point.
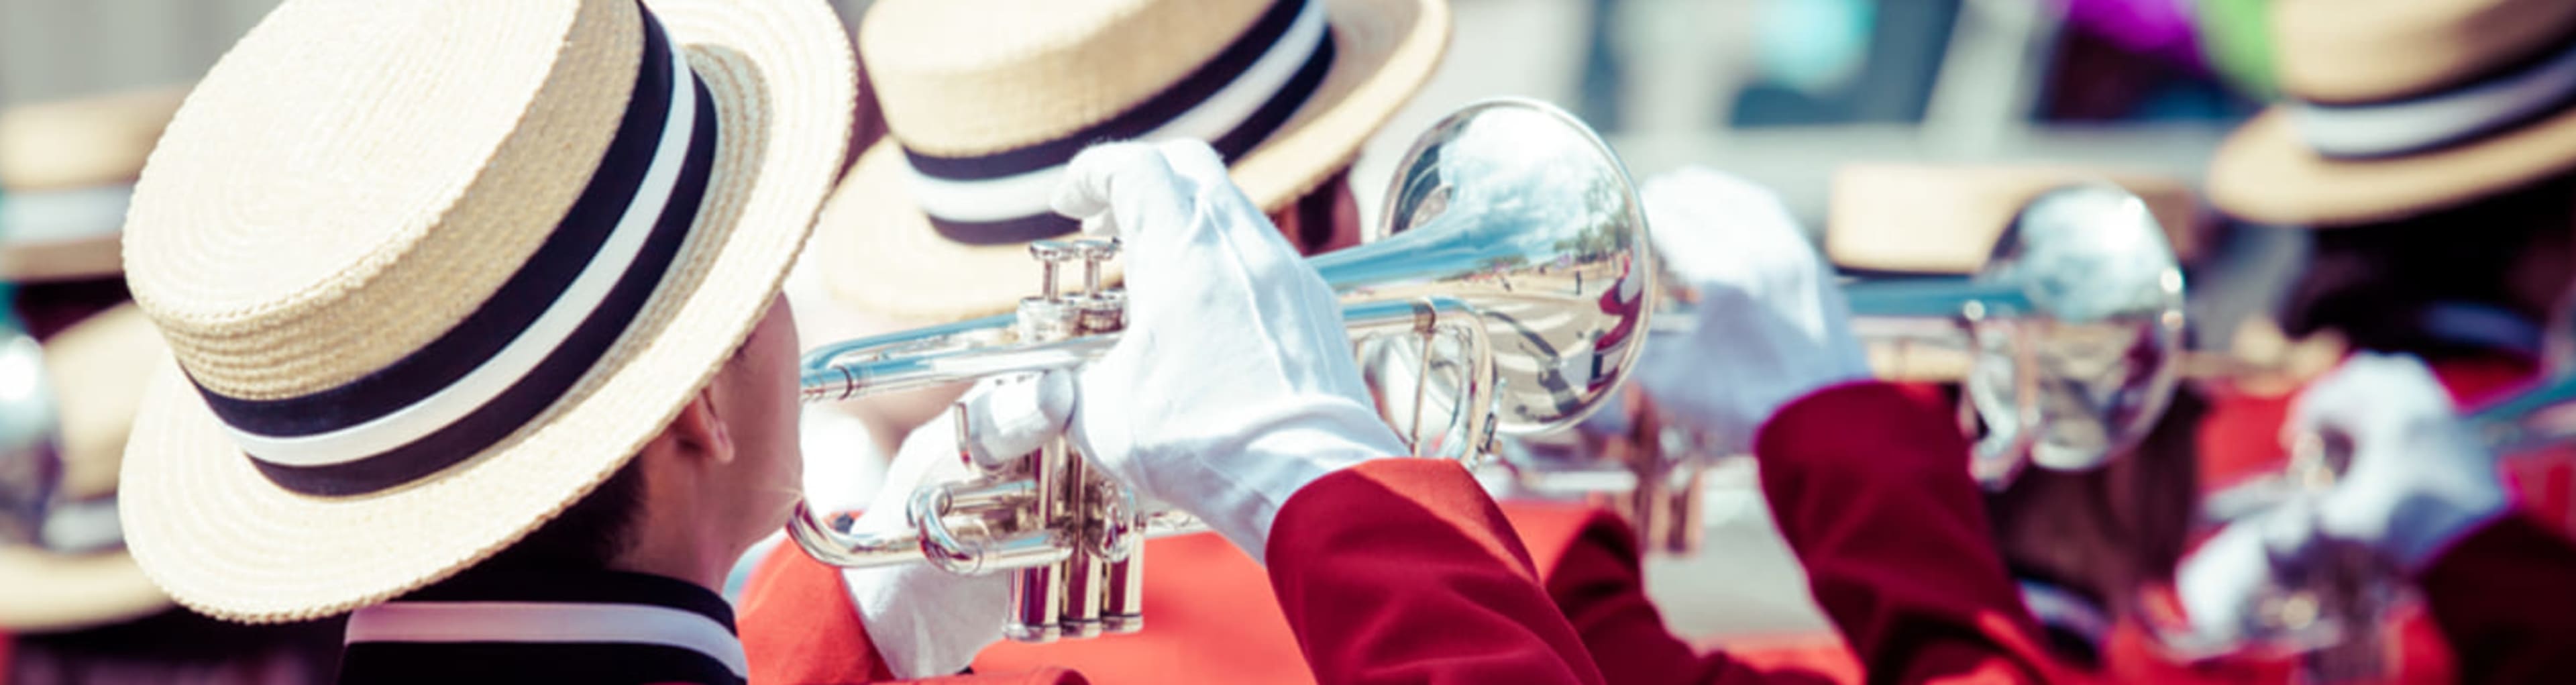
(225, 541)
(42, 592)
(2265, 173)
(879, 253)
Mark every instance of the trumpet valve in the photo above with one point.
(1094, 253)
(1051, 255)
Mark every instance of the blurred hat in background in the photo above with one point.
(2398, 107)
(77, 574)
(985, 102)
(67, 169)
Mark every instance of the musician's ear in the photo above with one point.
(699, 431)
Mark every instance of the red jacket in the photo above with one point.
(1396, 570)
(1881, 511)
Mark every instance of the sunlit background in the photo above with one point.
(1780, 91)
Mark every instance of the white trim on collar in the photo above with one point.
(548, 622)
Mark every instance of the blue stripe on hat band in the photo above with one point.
(322, 427)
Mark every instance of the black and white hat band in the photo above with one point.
(539, 333)
(1234, 102)
(2521, 93)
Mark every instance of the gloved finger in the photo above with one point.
(1701, 216)
(1193, 159)
(1012, 416)
(1206, 173)
(2218, 581)
(1087, 192)
(2370, 390)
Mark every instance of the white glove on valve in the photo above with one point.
(927, 622)
(1233, 386)
(2419, 480)
(1772, 324)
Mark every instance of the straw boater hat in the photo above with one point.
(985, 102)
(79, 574)
(433, 270)
(1945, 219)
(66, 170)
(2398, 107)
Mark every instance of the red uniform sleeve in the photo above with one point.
(799, 628)
(2505, 598)
(1872, 491)
(1404, 571)
(1598, 581)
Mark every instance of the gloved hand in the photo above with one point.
(2219, 582)
(2419, 478)
(1772, 324)
(927, 622)
(1233, 386)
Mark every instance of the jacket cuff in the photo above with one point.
(1829, 411)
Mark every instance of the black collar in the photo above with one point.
(554, 627)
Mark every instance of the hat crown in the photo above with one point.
(2341, 51)
(972, 77)
(353, 179)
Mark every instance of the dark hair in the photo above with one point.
(586, 536)
(2373, 282)
(2141, 504)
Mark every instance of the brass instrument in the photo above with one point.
(1515, 262)
(2328, 597)
(2073, 328)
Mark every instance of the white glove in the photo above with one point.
(1772, 324)
(2219, 582)
(2419, 478)
(1233, 386)
(927, 622)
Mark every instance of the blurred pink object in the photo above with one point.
(2162, 29)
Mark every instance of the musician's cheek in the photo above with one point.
(761, 413)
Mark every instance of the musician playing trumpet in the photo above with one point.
(2442, 239)
(916, 245)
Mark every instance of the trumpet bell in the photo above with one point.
(1515, 207)
(2084, 371)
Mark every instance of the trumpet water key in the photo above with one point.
(1514, 270)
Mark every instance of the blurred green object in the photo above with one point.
(2236, 38)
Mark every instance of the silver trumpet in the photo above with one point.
(2071, 332)
(2328, 597)
(1514, 260)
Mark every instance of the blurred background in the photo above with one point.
(1782, 92)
